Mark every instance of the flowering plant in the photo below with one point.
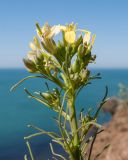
(65, 63)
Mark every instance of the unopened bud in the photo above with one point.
(84, 74)
(81, 51)
(76, 76)
(76, 66)
(30, 65)
(93, 57)
(46, 95)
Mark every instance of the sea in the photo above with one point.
(17, 110)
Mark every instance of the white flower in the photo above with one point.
(87, 37)
(55, 30)
(48, 32)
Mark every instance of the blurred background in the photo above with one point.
(107, 19)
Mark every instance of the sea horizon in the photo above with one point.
(17, 110)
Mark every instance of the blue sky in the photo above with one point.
(107, 18)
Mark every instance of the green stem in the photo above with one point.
(74, 127)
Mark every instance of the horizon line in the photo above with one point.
(88, 67)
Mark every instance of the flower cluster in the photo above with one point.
(70, 56)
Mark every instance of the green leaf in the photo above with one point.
(24, 79)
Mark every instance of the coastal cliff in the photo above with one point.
(113, 141)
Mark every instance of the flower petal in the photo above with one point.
(70, 36)
(54, 31)
(87, 37)
(32, 46)
(93, 39)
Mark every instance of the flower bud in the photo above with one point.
(56, 91)
(39, 58)
(76, 44)
(93, 57)
(81, 51)
(76, 66)
(76, 76)
(84, 74)
(79, 41)
(46, 95)
(30, 65)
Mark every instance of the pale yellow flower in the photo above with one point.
(48, 32)
(70, 36)
(87, 37)
(69, 32)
